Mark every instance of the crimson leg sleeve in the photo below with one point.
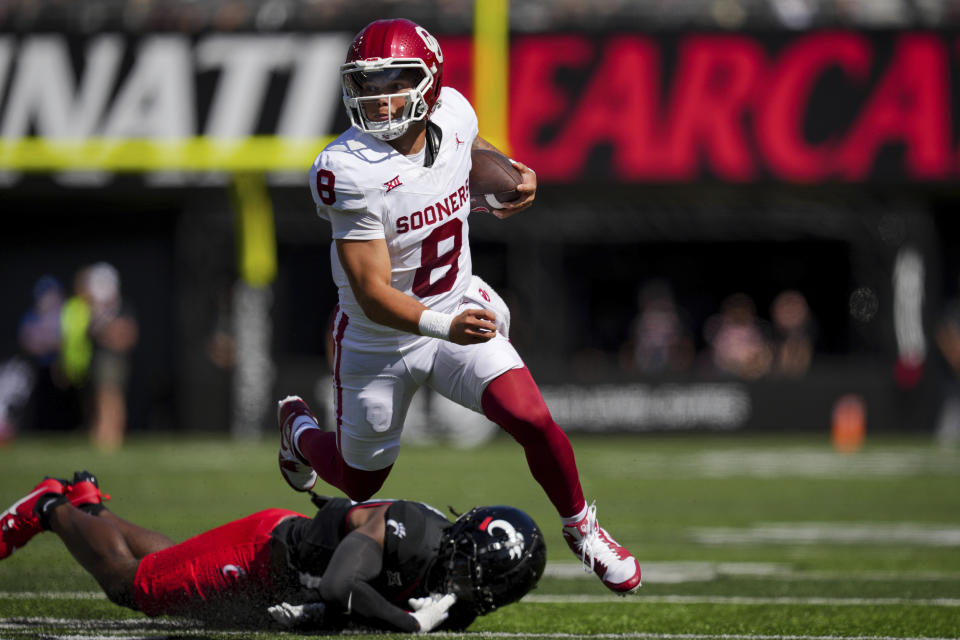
(320, 449)
(514, 402)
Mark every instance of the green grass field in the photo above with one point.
(753, 538)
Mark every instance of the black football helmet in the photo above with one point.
(489, 557)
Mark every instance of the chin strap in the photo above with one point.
(434, 136)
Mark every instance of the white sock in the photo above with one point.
(301, 424)
(572, 520)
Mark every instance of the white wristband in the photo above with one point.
(434, 324)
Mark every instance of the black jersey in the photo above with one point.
(412, 538)
(410, 545)
(413, 534)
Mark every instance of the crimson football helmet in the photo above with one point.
(392, 60)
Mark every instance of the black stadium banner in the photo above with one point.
(794, 107)
(169, 85)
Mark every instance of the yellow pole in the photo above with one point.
(491, 65)
(256, 240)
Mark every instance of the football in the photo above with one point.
(493, 180)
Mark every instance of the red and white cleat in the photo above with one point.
(298, 473)
(19, 523)
(617, 569)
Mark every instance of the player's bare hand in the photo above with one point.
(473, 326)
(527, 189)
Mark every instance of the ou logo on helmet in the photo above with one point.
(514, 542)
(430, 42)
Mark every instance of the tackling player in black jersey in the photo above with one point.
(391, 565)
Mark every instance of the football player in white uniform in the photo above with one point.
(395, 188)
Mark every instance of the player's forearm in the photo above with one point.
(358, 559)
(367, 265)
(372, 609)
(385, 305)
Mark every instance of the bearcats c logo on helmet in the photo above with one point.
(514, 541)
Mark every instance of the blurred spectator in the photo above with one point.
(52, 405)
(793, 334)
(39, 331)
(16, 379)
(221, 346)
(99, 333)
(660, 340)
(875, 13)
(948, 340)
(795, 14)
(737, 342)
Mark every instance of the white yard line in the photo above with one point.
(139, 627)
(586, 599)
(839, 533)
(794, 461)
(677, 636)
(653, 573)
(125, 623)
(821, 462)
(843, 602)
(680, 572)
(52, 595)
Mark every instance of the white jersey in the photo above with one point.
(367, 190)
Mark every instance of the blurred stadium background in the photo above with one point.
(746, 219)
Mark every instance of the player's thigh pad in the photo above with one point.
(481, 294)
(372, 394)
(462, 372)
